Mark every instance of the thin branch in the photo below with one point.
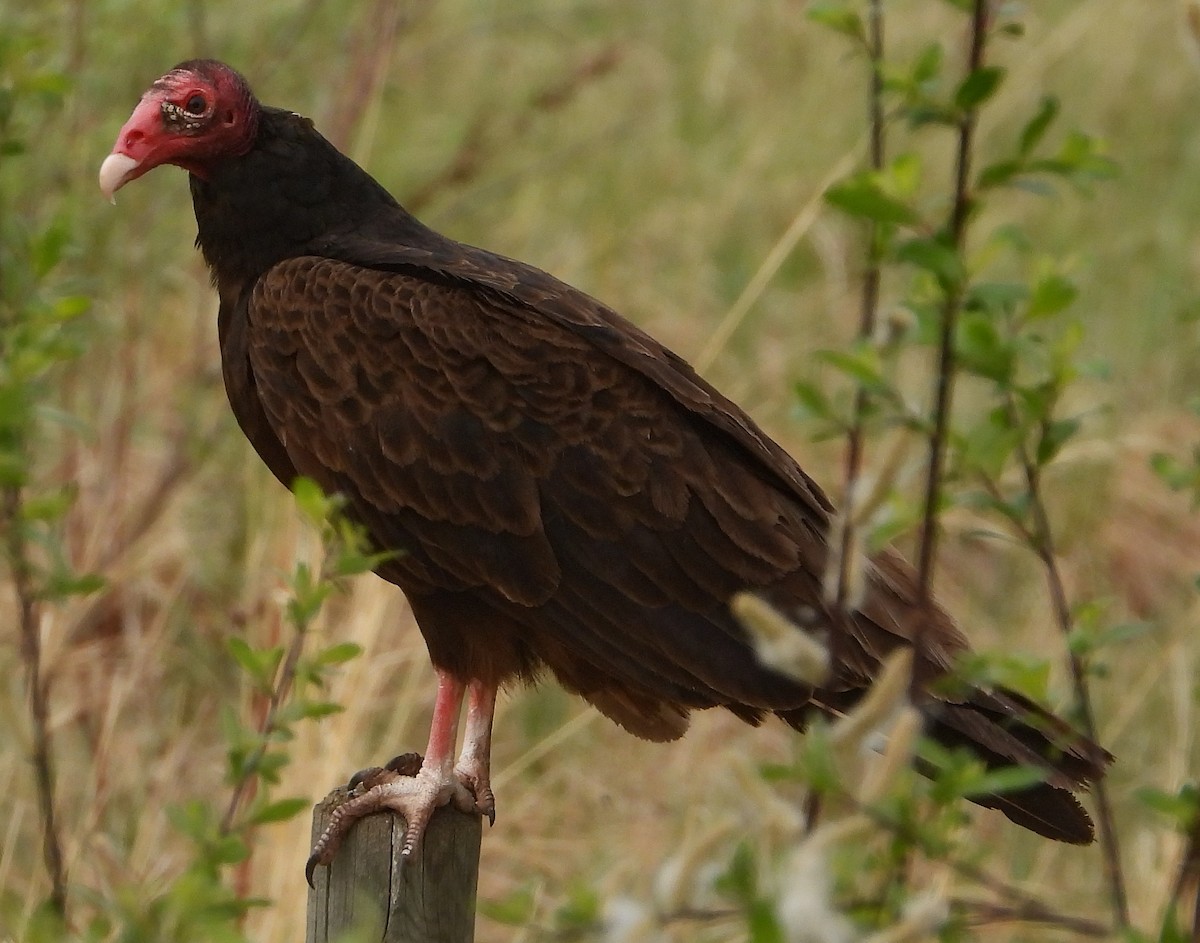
(1040, 538)
(373, 44)
(986, 914)
(490, 131)
(846, 549)
(944, 381)
(39, 694)
(1187, 879)
(279, 694)
(1042, 541)
(285, 676)
(1022, 901)
(868, 314)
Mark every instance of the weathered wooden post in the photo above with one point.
(431, 901)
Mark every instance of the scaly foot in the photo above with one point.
(415, 787)
(476, 777)
(415, 793)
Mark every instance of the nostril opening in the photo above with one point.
(133, 137)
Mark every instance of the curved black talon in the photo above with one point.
(406, 764)
(359, 778)
(310, 868)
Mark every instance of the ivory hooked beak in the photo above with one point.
(116, 171)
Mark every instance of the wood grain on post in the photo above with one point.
(363, 889)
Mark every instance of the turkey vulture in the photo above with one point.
(563, 494)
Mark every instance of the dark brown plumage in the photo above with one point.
(565, 493)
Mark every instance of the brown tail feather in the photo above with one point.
(1046, 810)
(1006, 729)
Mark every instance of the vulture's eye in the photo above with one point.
(195, 105)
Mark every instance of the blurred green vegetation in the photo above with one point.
(651, 153)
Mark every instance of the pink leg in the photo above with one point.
(438, 782)
(443, 731)
(474, 766)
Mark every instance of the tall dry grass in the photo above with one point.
(660, 183)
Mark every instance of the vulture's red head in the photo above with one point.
(198, 113)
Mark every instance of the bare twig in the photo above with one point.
(779, 253)
(373, 43)
(1187, 879)
(944, 380)
(39, 693)
(482, 136)
(985, 914)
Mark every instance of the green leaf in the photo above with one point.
(999, 173)
(269, 765)
(840, 18)
(763, 924)
(928, 64)
(902, 177)
(338, 654)
(316, 709)
(1171, 931)
(1012, 29)
(862, 197)
(517, 909)
(69, 307)
(1035, 129)
(243, 654)
(988, 445)
(46, 250)
(982, 350)
(280, 810)
(307, 603)
(44, 925)
(933, 255)
(1021, 672)
(1086, 638)
(1055, 434)
(355, 564)
(1178, 474)
(63, 583)
(861, 363)
(740, 879)
(302, 709)
(193, 819)
(260, 664)
(817, 763)
(996, 298)
(48, 507)
(1005, 779)
(1051, 294)
(777, 773)
(1182, 806)
(978, 87)
(312, 501)
(812, 400)
(228, 849)
(581, 912)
